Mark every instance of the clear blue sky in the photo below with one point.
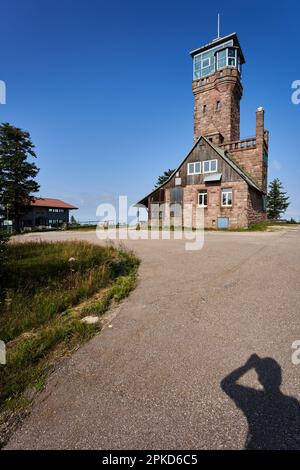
(104, 88)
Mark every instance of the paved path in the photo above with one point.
(154, 379)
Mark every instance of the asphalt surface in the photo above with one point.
(171, 371)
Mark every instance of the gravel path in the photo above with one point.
(160, 378)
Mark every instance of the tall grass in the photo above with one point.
(42, 283)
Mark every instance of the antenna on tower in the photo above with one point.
(218, 25)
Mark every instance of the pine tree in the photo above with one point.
(17, 174)
(163, 178)
(73, 221)
(277, 200)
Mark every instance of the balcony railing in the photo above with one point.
(239, 144)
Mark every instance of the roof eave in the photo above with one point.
(219, 41)
(222, 154)
(171, 176)
(234, 165)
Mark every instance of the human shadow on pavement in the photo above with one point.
(273, 418)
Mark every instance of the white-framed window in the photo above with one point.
(231, 57)
(221, 59)
(56, 210)
(202, 66)
(227, 58)
(205, 62)
(226, 197)
(202, 199)
(194, 168)
(210, 166)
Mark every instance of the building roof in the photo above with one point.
(217, 42)
(223, 154)
(49, 202)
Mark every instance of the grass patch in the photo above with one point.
(260, 227)
(43, 288)
(263, 226)
(82, 228)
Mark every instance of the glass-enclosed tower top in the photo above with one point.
(220, 53)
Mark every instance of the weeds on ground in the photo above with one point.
(40, 315)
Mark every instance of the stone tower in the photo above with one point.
(218, 89)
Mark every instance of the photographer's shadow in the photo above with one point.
(273, 418)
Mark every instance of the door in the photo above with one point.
(176, 198)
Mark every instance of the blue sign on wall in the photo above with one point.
(223, 222)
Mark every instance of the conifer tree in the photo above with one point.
(277, 200)
(17, 174)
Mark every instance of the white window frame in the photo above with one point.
(218, 60)
(203, 60)
(216, 48)
(227, 59)
(194, 172)
(202, 193)
(226, 191)
(210, 170)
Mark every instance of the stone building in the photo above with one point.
(223, 174)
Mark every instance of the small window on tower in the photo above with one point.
(231, 62)
(204, 108)
(221, 59)
(218, 105)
